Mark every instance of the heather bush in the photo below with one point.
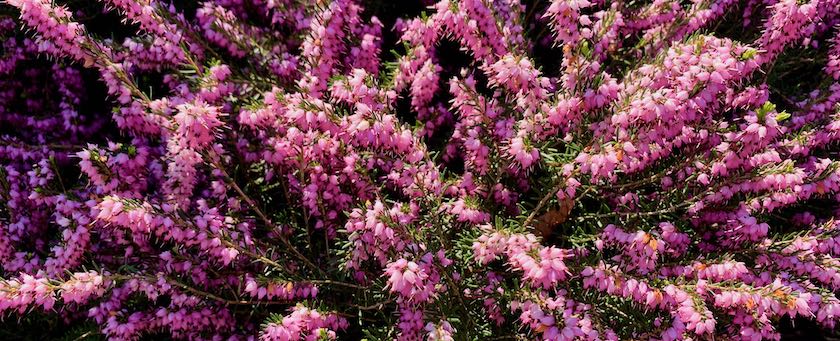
(452, 170)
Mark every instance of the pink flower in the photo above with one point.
(412, 281)
(524, 155)
(197, 124)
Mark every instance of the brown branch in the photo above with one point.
(218, 298)
(667, 210)
(253, 204)
(376, 306)
(335, 283)
(542, 203)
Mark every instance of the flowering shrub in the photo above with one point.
(309, 170)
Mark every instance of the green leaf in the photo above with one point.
(765, 108)
(748, 54)
(585, 49)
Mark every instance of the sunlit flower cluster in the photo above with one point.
(419, 170)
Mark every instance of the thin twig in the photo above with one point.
(542, 203)
(667, 210)
(336, 283)
(263, 217)
(376, 306)
(218, 298)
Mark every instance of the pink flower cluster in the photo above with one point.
(541, 266)
(304, 324)
(419, 170)
(416, 282)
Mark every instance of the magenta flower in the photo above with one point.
(451, 169)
